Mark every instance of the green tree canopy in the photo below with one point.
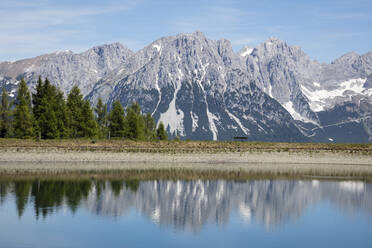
(150, 126)
(117, 120)
(161, 133)
(135, 126)
(5, 115)
(50, 111)
(23, 118)
(82, 122)
(102, 118)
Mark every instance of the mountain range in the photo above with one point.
(202, 89)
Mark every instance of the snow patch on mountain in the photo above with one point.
(212, 125)
(270, 91)
(30, 68)
(243, 128)
(368, 92)
(247, 51)
(173, 117)
(211, 117)
(157, 47)
(295, 115)
(159, 92)
(195, 120)
(318, 97)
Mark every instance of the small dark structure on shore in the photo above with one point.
(240, 138)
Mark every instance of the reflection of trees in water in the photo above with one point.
(3, 191)
(48, 196)
(22, 191)
(190, 204)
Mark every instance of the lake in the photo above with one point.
(185, 213)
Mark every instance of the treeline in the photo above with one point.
(46, 114)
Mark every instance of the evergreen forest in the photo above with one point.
(47, 114)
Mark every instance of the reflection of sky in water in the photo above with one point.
(186, 213)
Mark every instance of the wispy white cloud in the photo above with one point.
(53, 15)
(351, 16)
(215, 19)
(41, 25)
(220, 20)
(244, 41)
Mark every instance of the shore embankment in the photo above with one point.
(20, 157)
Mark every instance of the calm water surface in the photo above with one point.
(255, 213)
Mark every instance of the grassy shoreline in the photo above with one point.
(180, 146)
(185, 159)
(189, 171)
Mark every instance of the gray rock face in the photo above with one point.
(66, 69)
(202, 89)
(199, 90)
(279, 70)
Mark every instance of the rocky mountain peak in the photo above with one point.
(199, 34)
(347, 58)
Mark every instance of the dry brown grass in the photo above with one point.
(181, 146)
(190, 171)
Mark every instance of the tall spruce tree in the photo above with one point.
(50, 112)
(44, 110)
(135, 126)
(117, 120)
(23, 118)
(63, 118)
(161, 133)
(5, 115)
(90, 127)
(102, 118)
(82, 123)
(37, 98)
(150, 133)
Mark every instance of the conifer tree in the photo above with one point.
(74, 102)
(63, 118)
(136, 108)
(50, 111)
(149, 127)
(161, 133)
(117, 120)
(5, 115)
(102, 118)
(44, 110)
(134, 124)
(37, 98)
(82, 123)
(23, 118)
(89, 124)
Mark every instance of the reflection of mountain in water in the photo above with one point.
(191, 204)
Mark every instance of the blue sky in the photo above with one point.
(325, 29)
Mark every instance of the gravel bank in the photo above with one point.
(59, 155)
(57, 161)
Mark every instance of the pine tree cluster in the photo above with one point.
(46, 114)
